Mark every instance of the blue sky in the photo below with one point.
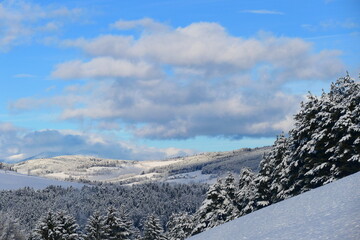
(153, 79)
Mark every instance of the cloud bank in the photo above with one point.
(18, 144)
(179, 83)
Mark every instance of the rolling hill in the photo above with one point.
(205, 167)
(10, 180)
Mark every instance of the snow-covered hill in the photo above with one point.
(328, 212)
(11, 180)
(198, 168)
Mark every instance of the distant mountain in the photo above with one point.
(10, 180)
(205, 167)
(328, 212)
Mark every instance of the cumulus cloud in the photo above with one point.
(188, 81)
(17, 144)
(105, 67)
(20, 21)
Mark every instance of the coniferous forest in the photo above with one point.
(323, 146)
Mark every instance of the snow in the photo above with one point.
(192, 177)
(328, 212)
(175, 170)
(11, 180)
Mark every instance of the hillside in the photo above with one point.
(328, 212)
(205, 167)
(10, 180)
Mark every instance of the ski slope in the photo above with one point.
(11, 180)
(328, 212)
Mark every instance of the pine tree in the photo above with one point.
(56, 226)
(216, 209)
(325, 143)
(66, 227)
(268, 181)
(95, 228)
(46, 228)
(153, 229)
(180, 226)
(126, 230)
(112, 223)
(230, 205)
(246, 192)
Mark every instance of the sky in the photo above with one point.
(156, 79)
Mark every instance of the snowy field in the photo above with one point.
(328, 212)
(192, 177)
(11, 180)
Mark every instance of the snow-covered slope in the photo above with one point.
(198, 168)
(329, 212)
(10, 180)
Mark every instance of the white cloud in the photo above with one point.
(188, 81)
(21, 21)
(104, 67)
(17, 144)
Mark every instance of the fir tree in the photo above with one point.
(66, 227)
(180, 226)
(246, 192)
(153, 229)
(95, 228)
(126, 227)
(325, 143)
(216, 209)
(46, 228)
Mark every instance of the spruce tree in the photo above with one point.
(46, 228)
(112, 223)
(126, 227)
(66, 227)
(180, 226)
(246, 192)
(95, 228)
(325, 143)
(216, 209)
(153, 229)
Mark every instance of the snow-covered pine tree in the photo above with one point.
(66, 227)
(10, 228)
(126, 226)
(95, 228)
(112, 224)
(216, 209)
(267, 181)
(231, 208)
(45, 229)
(246, 192)
(325, 143)
(180, 226)
(153, 229)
